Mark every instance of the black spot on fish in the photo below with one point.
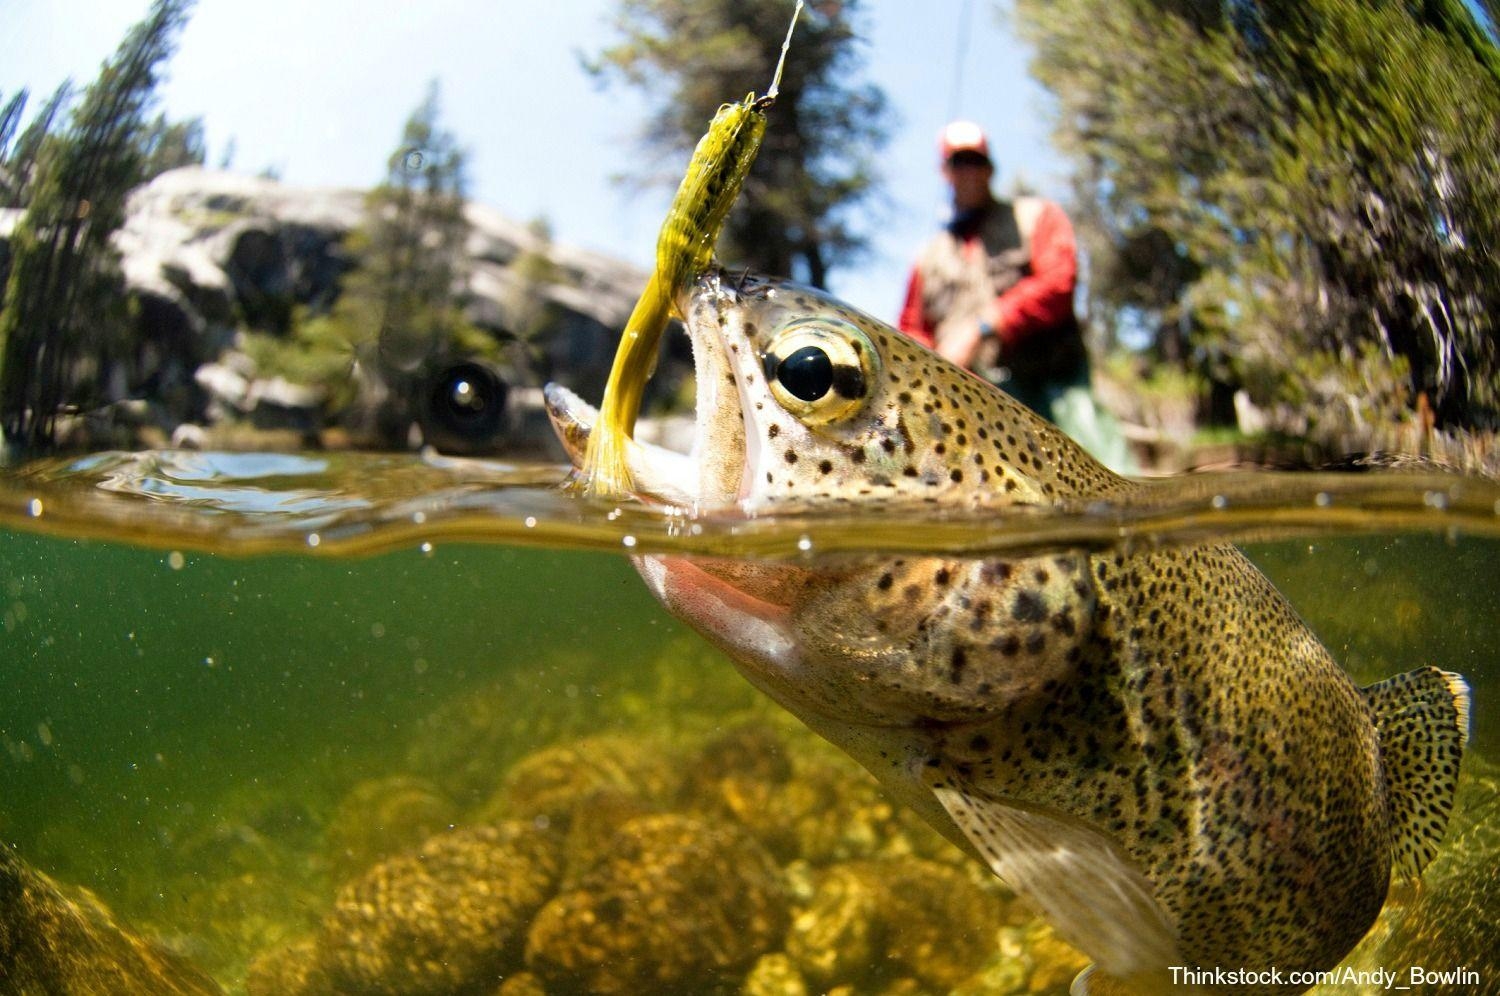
(1028, 607)
(956, 665)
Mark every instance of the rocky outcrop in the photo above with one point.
(209, 254)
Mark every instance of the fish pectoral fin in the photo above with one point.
(1094, 896)
(1423, 721)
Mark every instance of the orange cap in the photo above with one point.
(962, 136)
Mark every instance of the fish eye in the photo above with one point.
(807, 373)
(820, 369)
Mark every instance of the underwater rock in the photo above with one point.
(521, 984)
(592, 828)
(833, 939)
(1452, 923)
(678, 904)
(1055, 962)
(821, 810)
(742, 773)
(230, 845)
(57, 941)
(444, 917)
(293, 970)
(834, 812)
(749, 750)
(220, 921)
(774, 975)
(383, 816)
(939, 923)
(556, 780)
(1005, 973)
(909, 915)
(464, 744)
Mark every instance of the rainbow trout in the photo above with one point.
(1151, 747)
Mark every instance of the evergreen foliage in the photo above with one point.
(18, 152)
(65, 323)
(817, 163)
(1299, 198)
(399, 314)
(172, 144)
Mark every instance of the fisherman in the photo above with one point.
(993, 292)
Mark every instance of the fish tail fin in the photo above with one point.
(1422, 718)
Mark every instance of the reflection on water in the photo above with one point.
(364, 503)
(277, 762)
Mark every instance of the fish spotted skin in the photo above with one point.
(1152, 747)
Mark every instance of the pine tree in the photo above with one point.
(399, 315)
(412, 256)
(18, 153)
(172, 144)
(65, 318)
(1311, 184)
(817, 163)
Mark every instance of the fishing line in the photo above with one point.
(786, 44)
(960, 56)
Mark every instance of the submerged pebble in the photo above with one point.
(910, 917)
(677, 904)
(435, 920)
(383, 816)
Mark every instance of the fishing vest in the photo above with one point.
(959, 281)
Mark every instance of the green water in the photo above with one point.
(214, 722)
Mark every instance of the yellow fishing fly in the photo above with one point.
(684, 249)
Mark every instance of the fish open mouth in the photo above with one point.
(714, 471)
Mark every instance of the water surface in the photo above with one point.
(235, 682)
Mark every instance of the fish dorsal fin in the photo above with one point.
(1094, 896)
(1422, 718)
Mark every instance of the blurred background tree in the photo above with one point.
(399, 312)
(65, 325)
(19, 148)
(816, 169)
(172, 145)
(1297, 199)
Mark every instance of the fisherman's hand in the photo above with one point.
(961, 346)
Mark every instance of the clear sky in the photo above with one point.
(319, 89)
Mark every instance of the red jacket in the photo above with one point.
(1040, 300)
